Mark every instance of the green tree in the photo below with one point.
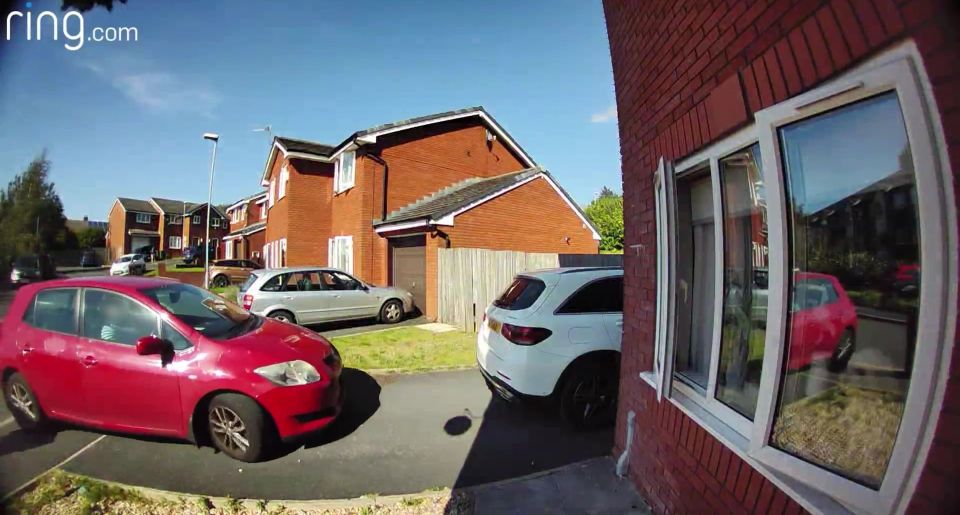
(91, 237)
(31, 214)
(606, 214)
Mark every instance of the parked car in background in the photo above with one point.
(194, 254)
(89, 258)
(309, 295)
(226, 271)
(148, 252)
(143, 346)
(556, 334)
(32, 268)
(128, 264)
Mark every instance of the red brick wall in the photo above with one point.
(305, 213)
(686, 74)
(116, 231)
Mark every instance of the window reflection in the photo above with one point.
(854, 250)
(744, 282)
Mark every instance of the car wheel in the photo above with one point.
(238, 427)
(391, 312)
(588, 398)
(221, 281)
(283, 316)
(844, 351)
(23, 404)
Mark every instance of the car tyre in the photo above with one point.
(846, 346)
(391, 312)
(588, 397)
(23, 404)
(283, 316)
(239, 427)
(221, 281)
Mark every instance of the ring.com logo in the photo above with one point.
(49, 24)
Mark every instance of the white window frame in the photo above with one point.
(175, 242)
(342, 182)
(143, 218)
(896, 70)
(282, 185)
(263, 211)
(273, 190)
(175, 220)
(215, 221)
(340, 253)
(196, 219)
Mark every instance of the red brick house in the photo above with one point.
(384, 200)
(248, 224)
(159, 223)
(789, 173)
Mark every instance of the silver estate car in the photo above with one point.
(310, 295)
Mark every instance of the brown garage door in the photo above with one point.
(409, 267)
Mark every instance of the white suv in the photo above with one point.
(556, 333)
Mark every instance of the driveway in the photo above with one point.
(399, 434)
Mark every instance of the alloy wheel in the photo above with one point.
(594, 395)
(228, 428)
(392, 312)
(21, 400)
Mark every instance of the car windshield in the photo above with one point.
(207, 313)
(124, 259)
(26, 261)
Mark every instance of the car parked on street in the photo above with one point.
(32, 268)
(556, 334)
(823, 322)
(310, 295)
(157, 357)
(226, 271)
(129, 264)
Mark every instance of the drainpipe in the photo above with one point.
(386, 171)
(624, 460)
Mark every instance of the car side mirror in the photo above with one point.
(149, 345)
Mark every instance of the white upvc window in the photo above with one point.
(283, 252)
(143, 218)
(196, 219)
(282, 185)
(263, 211)
(792, 317)
(215, 221)
(236, 214)
(228, 249)
(340, 253)
(175, 220)
(176, 242)
(273, 191)
(344, 172)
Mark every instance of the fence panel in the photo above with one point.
(591, 260)
(469, 279)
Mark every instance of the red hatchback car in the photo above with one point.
(154, 356)
(823, 322)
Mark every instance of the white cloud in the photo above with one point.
(605, 116)
(155, 89)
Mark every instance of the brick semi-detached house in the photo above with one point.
(159, 223)
(384, 200)
(248, 224)
(790, 202)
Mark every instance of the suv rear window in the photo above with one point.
(521, 294)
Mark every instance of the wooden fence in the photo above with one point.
(469, 279)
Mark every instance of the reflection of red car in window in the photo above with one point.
(823, 322)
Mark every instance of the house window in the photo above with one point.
(263, 211)
(143, 218)
(176, 242)
(196, 219)
(273, 189)
(344, 172)
(789, 285)
(282, 186)
(175, 220)
(283, 252)
(215, 222)
(340, 253)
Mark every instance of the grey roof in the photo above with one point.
(250, 229)
(173, 206)
(307, 147)
(418, 119)
(246, 199)
(192, 208)
(132, 204)
(452, 198)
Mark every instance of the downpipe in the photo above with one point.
(624, 460)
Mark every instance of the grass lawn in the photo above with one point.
(227, 292)
(408, 349)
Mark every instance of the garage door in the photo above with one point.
(138, 241)
(409, 267)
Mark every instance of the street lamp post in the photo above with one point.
(206, 243)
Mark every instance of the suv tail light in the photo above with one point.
(247, 301)
(525, 335)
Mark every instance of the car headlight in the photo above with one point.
(15, 275)
(290, 373)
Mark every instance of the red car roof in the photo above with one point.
(123, 282)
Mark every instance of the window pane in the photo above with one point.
(116, 318)
(695, 278)
(173, 336)
(854, 249)
(601, 296)
(54, 310)
(521, 294)
(744, 280)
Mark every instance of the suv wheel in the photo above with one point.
(588, 398)
(23, 404)
(238, 427)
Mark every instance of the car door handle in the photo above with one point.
(89, 361)
(288, 297)
(26, 350)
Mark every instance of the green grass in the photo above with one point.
(407, 349)
(227, 292)
(193, 269)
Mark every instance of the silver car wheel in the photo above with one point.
(392, 312)
(20, 399)
(227, 427)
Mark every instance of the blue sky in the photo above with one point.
(126, 119)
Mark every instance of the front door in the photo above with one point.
(409, 256)
(123, 390)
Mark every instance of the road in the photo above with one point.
(398, 434)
